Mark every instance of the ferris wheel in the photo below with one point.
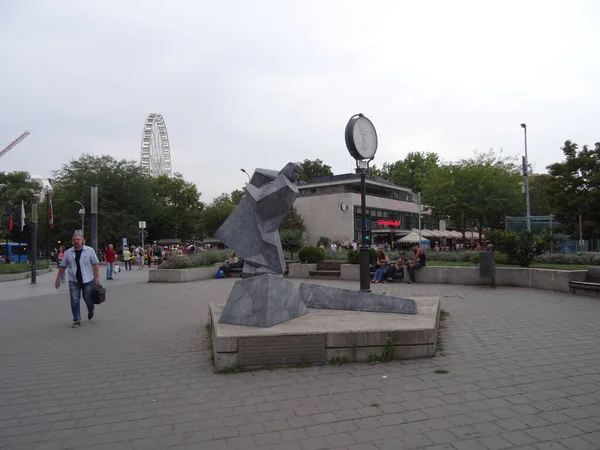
(156, 152)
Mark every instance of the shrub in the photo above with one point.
(199, 259)
(311, 255)
(291, 240)
(339, 255)
(521, 247)
(354, 256)
(323, 241)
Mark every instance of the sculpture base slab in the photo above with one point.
(326, 335)
(326, 297)
(262, 301)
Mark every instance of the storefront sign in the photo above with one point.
(388, 223)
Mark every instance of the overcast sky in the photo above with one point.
(260, 83)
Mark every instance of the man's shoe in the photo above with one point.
(90, 315)
(76, 324)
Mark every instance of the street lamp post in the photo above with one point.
(361, 141)
(82, 214)
(247, 174)
(33, 242)
(526, 174)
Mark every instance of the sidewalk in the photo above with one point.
(520, 369)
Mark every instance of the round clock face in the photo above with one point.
(343, 207)
(361, 137)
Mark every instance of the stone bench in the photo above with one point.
(590, 287)
(326, 270)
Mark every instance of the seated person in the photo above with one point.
(229, 264)
(382, 262)
(417, 262)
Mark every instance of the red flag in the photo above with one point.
(9, 213)
(50, 213)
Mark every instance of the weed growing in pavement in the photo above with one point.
(338, 361)
(387, 353)
(442, 371)
(230, 369)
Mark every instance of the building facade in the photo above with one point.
(331, 207)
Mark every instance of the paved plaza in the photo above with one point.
(523, 372)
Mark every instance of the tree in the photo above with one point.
(477, 192)
(521, 247)
(291, 240)
(293, 221)
(170, 206)
(14, 187)
(177, 208)
(316, 168)
(574, 188)
(236, 196)
(539, 197)
(411, 172)
(216, 213)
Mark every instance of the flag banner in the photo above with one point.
(50, 213)
(22, 215)
(9, 214)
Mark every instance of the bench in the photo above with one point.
(327, 270)
(590, 287)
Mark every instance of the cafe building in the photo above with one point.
(330, 207)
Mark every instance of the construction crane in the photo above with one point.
(10, 146)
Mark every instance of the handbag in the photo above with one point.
(99, 294)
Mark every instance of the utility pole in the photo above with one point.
(33, 243)
(94, 218)
(419, 197)
(526, 174)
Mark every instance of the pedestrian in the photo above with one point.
(84, 275)
(418, 261)
(60, 257)
(110, 257)
(127, 258)
(139, 258)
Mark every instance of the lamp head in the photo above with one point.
(523, 126)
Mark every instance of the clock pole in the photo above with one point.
(361, 141)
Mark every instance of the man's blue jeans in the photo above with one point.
(109, 270)
(75, 291)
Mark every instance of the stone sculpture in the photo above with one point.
(263, 298)
(252, 230)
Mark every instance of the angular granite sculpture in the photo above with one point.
(263, 297)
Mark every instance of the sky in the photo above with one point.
(247, 84)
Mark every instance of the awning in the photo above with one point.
(424, 233)
(456, 234)
(412, 237)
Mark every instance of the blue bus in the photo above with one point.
(17, 252)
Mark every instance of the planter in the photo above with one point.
(298, 270)
(181, 275)
(21, 276)
(545, 279)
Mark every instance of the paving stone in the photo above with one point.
(543, 393)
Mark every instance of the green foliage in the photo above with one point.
(199, 259)
(170, 206)
(585, 258)
(21, 267)
(311, 254)
(216, 213)
(520, 247)
(316, 168)
(412, 172)
(291, 240)
(236, 196)
(574, 188)
(293, 221)
(323, 241)
(372, 255)
(353, 256)
(335, 255)
(14, 187)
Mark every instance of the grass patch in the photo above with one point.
(559, 266)
(230, 369)
(387, 353)
(442, 371)
(443, 314)
(21, 267)
(338, 361)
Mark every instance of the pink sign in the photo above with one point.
(388, 223)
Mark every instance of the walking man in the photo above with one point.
(110, 256)
(84, 275)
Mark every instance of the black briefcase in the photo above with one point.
(99, 294)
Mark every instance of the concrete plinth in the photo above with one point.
(323, 335)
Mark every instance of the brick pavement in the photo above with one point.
(524, 373)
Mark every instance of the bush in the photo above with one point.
(339, 255)
(291, 240)
(311, 255)
(585, 258)
(354, 256)
(198, 259)
(323, 241)
(521, 247)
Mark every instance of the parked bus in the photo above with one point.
(17, 252)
